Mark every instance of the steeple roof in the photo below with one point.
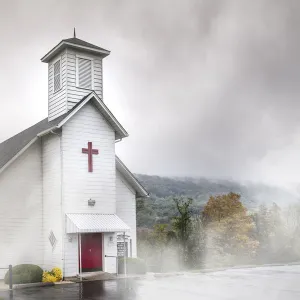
(77, 44)
(80, 42)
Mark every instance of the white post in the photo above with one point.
(125, 271)
(80, 270)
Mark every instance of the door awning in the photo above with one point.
(80, 223)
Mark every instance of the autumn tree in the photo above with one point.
(221, 207)
(229, 226)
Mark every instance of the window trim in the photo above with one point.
(60, 73)
(77, 71)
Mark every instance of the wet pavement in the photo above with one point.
(270, 283)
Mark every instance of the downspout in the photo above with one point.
(80, 257)
(51, 131)
(43, 237)
(125, 267)
(62, 206)
(116, 141)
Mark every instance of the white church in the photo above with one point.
(66, 199)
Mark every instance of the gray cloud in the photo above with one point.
(206, 88)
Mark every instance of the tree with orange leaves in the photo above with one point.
(229, 227)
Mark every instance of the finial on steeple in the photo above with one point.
(74, 32)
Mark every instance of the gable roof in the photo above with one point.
(104, 110)
(77, 44)
(13, 147)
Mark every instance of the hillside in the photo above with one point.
(159, 207)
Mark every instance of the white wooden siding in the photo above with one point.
(126, 207)
(57, 102)
(109, 249)
(75, 94)
(87, 125)
(70, 94)
(21, 210)
(52, 210)
(71, 263)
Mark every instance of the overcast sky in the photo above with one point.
(204, 88)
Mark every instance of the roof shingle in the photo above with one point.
(12, 146)
(80, 42)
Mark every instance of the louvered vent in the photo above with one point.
(85, 73)
(56, 72)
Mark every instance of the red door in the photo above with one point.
(91, 252)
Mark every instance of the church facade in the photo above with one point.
(66, 199)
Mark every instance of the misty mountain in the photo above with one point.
(159, 207)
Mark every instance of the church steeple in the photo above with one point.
(74, 70)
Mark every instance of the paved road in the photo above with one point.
(272, 283)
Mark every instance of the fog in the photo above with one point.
(204, 88)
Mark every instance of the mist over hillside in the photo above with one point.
(159, 207)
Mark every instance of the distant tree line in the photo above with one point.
(221, 233)
(159, 208)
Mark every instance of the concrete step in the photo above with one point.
(91, 276)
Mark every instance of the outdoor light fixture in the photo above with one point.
(70, 238)
(91, 202)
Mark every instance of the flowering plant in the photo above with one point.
(54, 275)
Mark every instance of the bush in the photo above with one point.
(52, 276)
(25, 273)
(133, 266)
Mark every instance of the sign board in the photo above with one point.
(120, 248)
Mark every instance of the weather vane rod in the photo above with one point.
(74, 32)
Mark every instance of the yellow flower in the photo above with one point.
(53, 276)
(47, 277)
(57, 273)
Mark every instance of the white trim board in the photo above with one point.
(103, 110)
(48, 56)
(132, 181)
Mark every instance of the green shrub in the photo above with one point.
(133, 266)
(25, 273)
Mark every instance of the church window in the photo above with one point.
(84, 73)
(57, 76)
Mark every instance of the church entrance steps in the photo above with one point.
(92, 276)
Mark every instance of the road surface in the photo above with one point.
(261, 283)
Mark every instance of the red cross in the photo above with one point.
(90, 151)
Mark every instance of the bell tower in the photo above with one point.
(74, 70)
